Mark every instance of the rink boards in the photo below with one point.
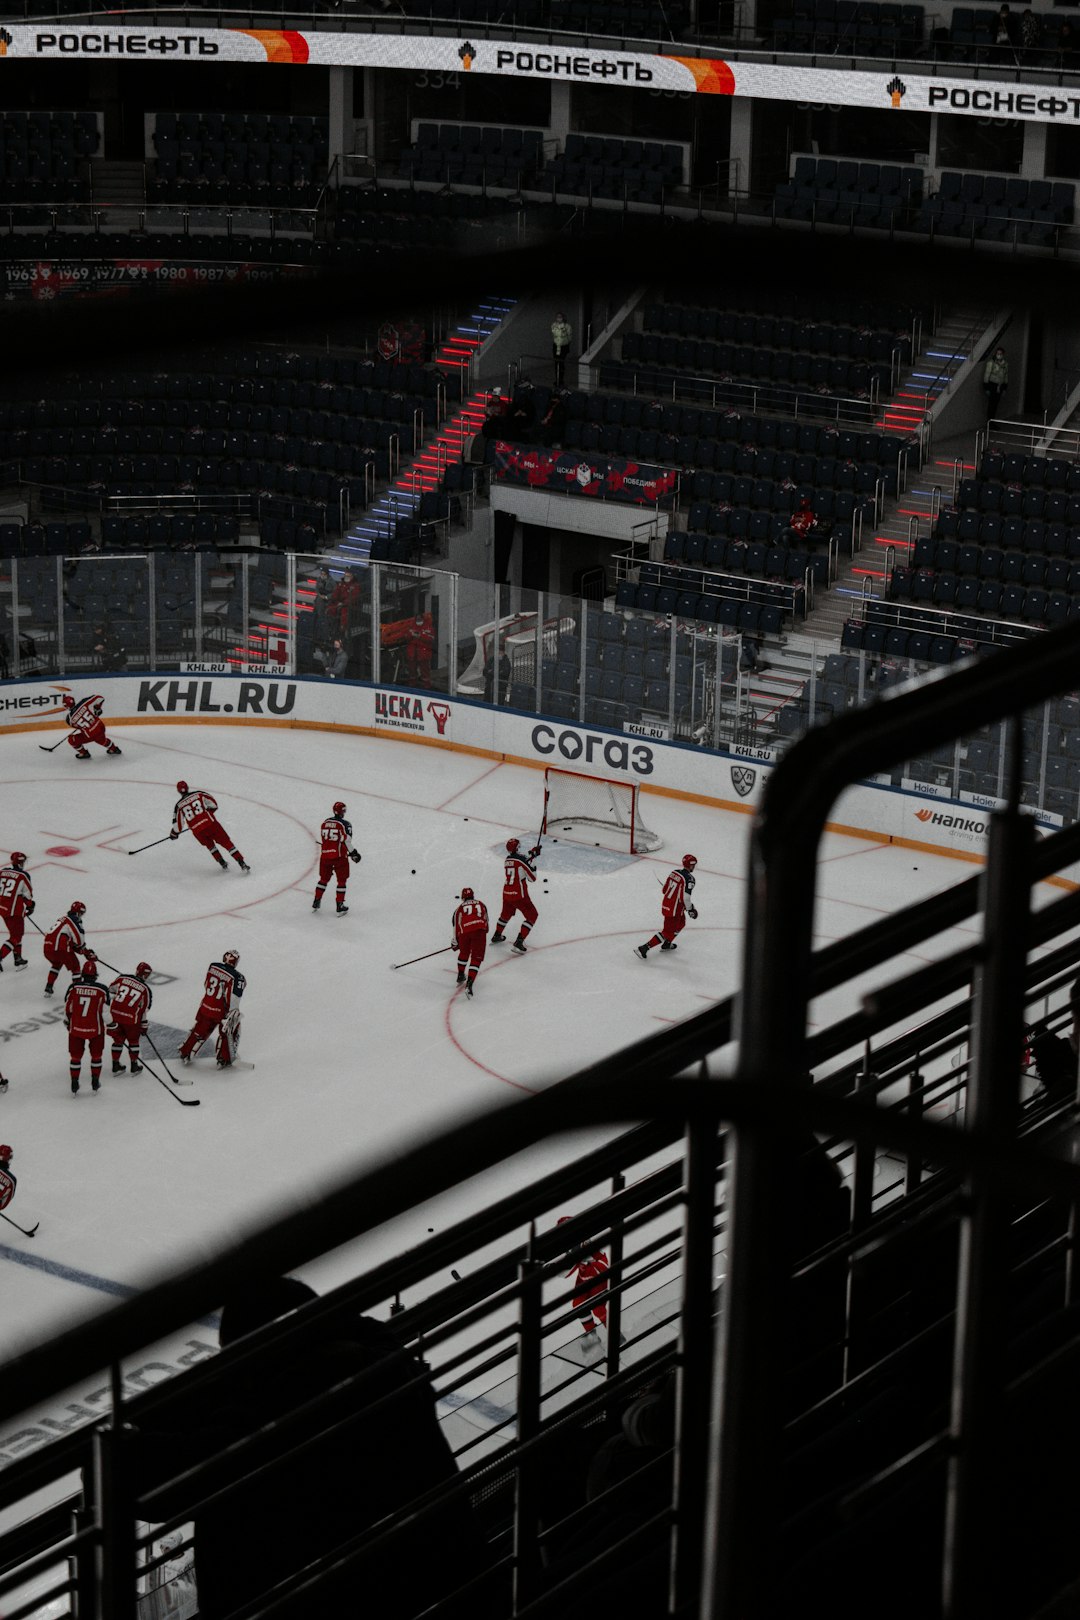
(919, 816)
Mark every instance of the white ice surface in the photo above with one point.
(351, 1057)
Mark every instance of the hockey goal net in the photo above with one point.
(571, 799)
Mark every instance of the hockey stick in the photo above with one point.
(19, 1228)
(164, 1065)
(82, 951)
(50, 750)
(157, 841)
(423, 958)
(185, 1102)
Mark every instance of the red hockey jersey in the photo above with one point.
(336, 835)
(84, 715)
(7, 1188)
(130, 999)
(84, 1007)
(16, 892)
(69, 928)
(677, 893)
(222, 983)
(195, 809)
(470, 918)
(518, 873)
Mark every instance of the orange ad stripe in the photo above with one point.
(280, 44)
(712, 78)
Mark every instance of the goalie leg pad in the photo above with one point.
(228, 1037)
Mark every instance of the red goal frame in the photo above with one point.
(642, 839)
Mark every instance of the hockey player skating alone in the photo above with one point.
(196, 812)
(518, 872)
(84, 1020)
(87, 726)
(470, 937)
(130, 998)
(16, 904)
(589, 1272)
(7, 1177)
(676, 906)
(337, 852)
(216, 1011)
(65, 943)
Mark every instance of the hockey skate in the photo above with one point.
(112, 749)
(519, 945)
(3, 1085)
(20, 962)
(185, 1057)
(241, 863)
(74, 1087)
(669, 945)
(316, 903)
(136, 1066)
(342, 908)
(498, 938)
(460, 977)
(222, 862)
(642, 951)
(469, 990)
(118, 1068)
(82, 753)
(48, 990)
(95, 1085)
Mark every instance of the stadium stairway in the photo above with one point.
(424, 471)
(917, 401)
(266, 640)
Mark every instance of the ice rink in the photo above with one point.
(350, 1057)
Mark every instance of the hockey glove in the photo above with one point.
(30, 908)
(534, 852)
(174, 833)
(91, 956)
(693, 912)
(355, 855)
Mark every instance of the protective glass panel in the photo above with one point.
(34, 639)
(416, 611)
(106, 604)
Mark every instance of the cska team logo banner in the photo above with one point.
(571, 473)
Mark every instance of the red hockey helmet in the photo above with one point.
(18, 858)
(513, 845)
(143, 971)
(69, 701)
(562, 1220)
(181, 787)
(467, 894)
(6, 1153)
(689, 861)
(231, 957)
(89, 968)
(339, 808)
(77, 908)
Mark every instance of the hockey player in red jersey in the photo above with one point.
(470, 924)
(589, 1272)
(65, 943)
(223, 983)
(419, 642)
(84, 1019)
(518, 873)
(676, 906)
(196, 811)
(16, 904)
(337, 852)
(7, 1175)
(130, 998)
(87, 726)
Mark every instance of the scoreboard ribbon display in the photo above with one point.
(570, 473)
(698, 75)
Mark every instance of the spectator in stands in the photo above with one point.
(346, 600)
(995, 380)
(108, 648)
(494, 424)
(562, 334)
(419, 650)
(1005, 36)
(553, 424)
(750, 655)
(504, 675)
(332, 661)
(1030, 31)
(1066, 42)
(372, 1446)
(522, 415)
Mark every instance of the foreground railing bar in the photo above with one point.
(35, 1605)
(66, 1548)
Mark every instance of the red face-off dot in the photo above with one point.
(62, 849)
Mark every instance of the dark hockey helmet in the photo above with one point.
(77, 908)
(689, 861)
(231, 957)
(467, 894)
(513, 845)
(339, 808)
(143, 971)
(6, 1153)
(18, 858)
(181, 787)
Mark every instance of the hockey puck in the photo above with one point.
(431, 1229)
(413, 873)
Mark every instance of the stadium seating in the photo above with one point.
(43, 156)
(997, 208)
(845, 191)
(473, 155)
(257, 159)
(850, 27)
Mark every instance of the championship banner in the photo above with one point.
(46, 279)
(456, 54)
(574, 474)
